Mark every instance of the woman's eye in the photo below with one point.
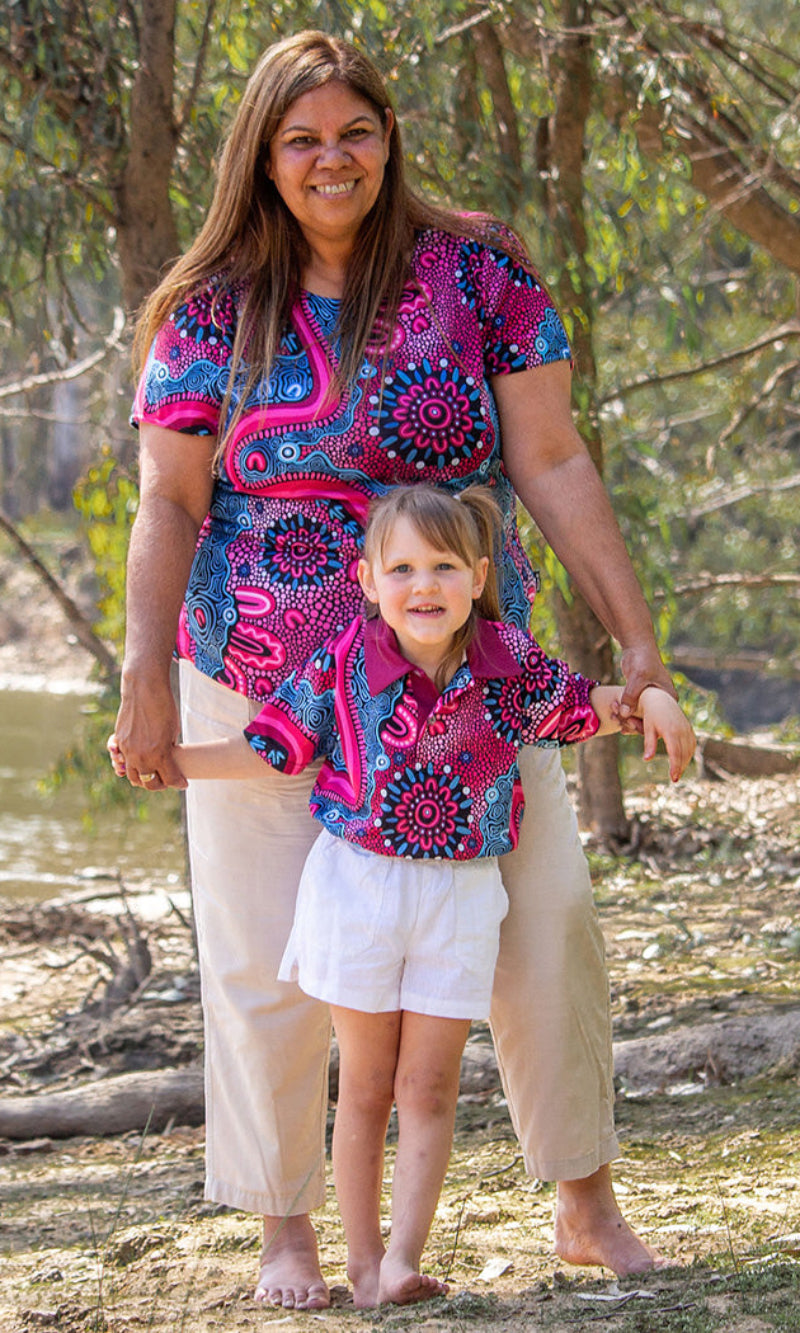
(301, 141)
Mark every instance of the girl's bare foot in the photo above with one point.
(290, 1274)
(401, 1284)
(364, 1273)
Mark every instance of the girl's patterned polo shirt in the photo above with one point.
(402, 777)
(274, 570)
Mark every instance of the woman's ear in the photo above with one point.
(479, 580)
(367, 585)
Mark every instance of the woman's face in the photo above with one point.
(327, 159)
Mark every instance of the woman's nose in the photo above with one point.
(332, 154)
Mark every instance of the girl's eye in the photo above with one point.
(399, 569)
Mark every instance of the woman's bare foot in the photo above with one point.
(290, 1274)
(401, 1284)
(590, 1229)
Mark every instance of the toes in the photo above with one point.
(314, 1297)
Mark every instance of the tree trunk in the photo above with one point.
(146, 233)
(600, 801)
(585, 642)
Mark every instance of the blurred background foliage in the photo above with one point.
(647, 154)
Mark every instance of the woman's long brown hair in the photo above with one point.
(250, 238)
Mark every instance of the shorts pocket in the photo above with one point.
(350, 900)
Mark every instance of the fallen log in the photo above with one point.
(108, 1106)
(725, 1050)
(153, 1098)
(720, 758)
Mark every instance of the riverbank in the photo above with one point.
(38, 650)
(112, 1232)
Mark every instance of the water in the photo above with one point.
(46, 848)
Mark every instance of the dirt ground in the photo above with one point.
(702, 922)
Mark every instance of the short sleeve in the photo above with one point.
(183, 384)
(298, 724)
(549, 702)
(521, 326)
(559, 711)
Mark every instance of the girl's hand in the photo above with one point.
(663, 717)
(115, 755)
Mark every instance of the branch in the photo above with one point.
(73, 372)
(83, 630)
(743, 492)
(715, 582)
(490, 56)
(69, 178)
(199, 68)
(789, 330)
(763, 395)
(684, 656)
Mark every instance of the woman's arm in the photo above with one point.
(175, 493)
(557, 482)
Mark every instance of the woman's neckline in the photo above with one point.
(319, 296)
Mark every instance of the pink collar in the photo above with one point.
(487, 655)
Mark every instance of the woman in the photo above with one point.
(327, 336)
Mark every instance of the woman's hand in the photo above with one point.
(147, 727)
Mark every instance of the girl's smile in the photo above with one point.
(425, 595)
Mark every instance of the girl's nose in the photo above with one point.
(426, 579)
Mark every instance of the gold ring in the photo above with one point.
(146, 777)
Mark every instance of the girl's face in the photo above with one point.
(327, 159)
(424, 594)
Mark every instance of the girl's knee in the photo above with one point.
(431, 1094)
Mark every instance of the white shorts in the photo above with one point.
(383, 933)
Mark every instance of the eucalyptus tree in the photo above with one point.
(646, 153)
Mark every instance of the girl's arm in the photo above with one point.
(230, 757)
(662, 717)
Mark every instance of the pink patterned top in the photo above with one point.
(274, 570)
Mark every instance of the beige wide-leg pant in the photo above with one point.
(267, 1042)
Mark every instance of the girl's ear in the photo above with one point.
(365, 579)
(479, 579)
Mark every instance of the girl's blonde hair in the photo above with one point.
(468, 524)
(251, 241)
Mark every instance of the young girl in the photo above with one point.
(418, 711)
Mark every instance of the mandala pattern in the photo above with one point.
(430, 417)
(425, 813)
(504, 699)
(298, 552)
